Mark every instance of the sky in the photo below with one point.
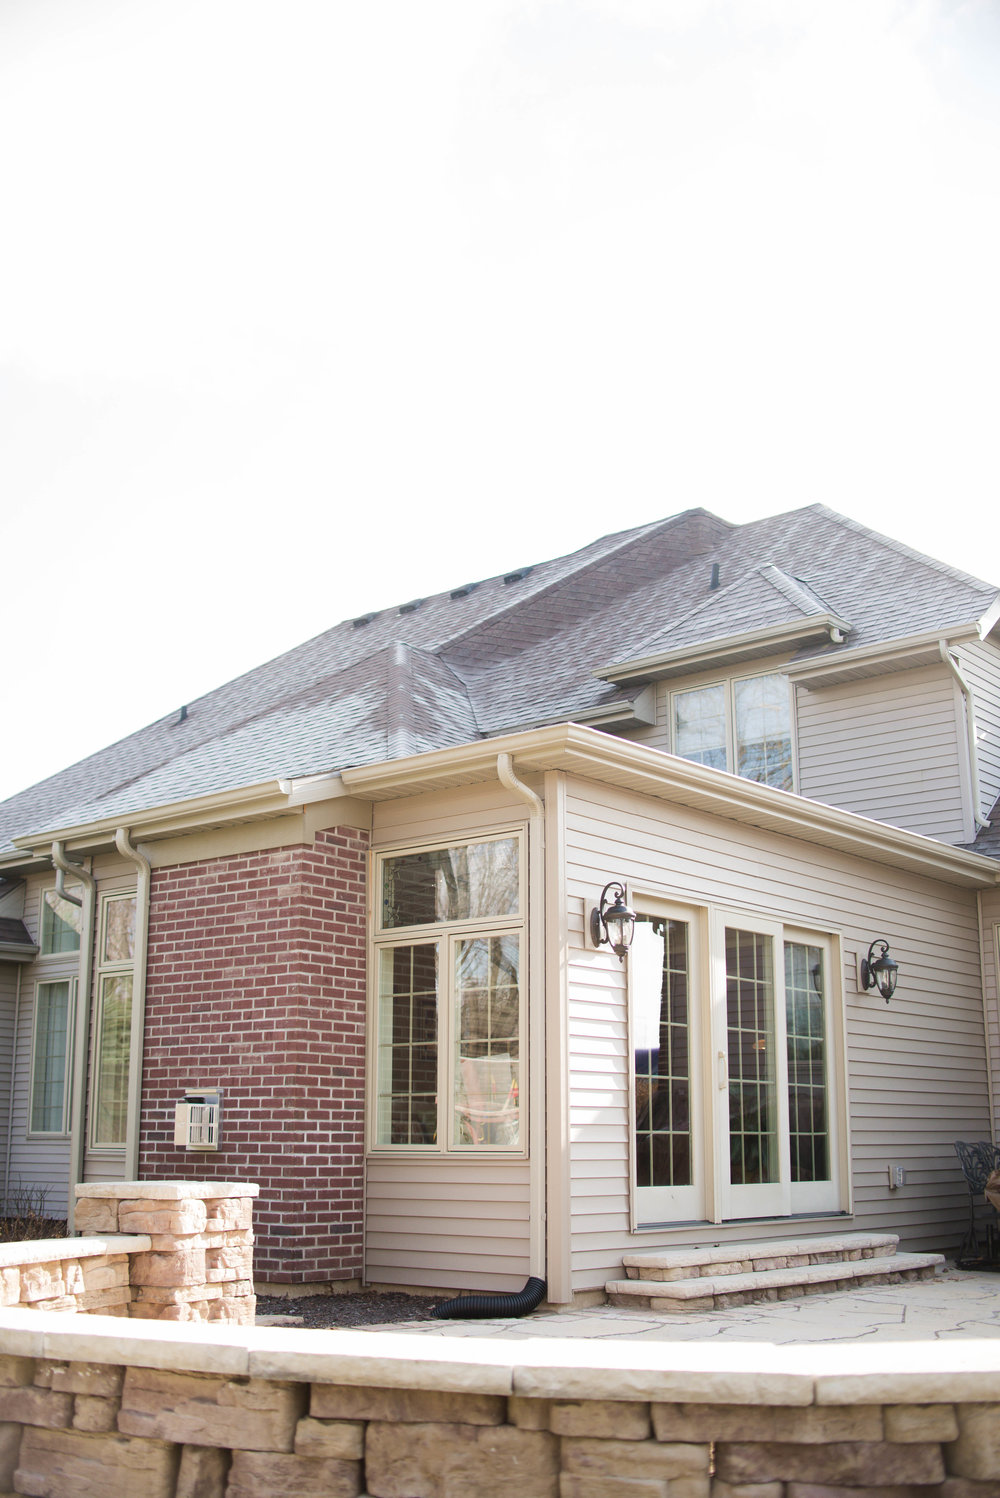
(307, 309)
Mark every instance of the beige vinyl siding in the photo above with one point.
(990, 907)
(980, 665)
(890, 748)
(8, 1006)
(447, 1222)
(917, 1078)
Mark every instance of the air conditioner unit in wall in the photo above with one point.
(197, 1119)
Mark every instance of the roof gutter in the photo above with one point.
(748, 643)
(970, 723)
(925, 646)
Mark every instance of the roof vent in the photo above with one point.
(715, 577)
(182, 715)
(464, 592)
(411, 607)
(515, 577)
(362, 620)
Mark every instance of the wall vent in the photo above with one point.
(197, 1120)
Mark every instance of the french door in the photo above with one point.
(735, 1083)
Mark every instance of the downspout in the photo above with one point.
(13, 1079)
(970, 719)
(524, 1301)
(126, 849)
(81, 1018)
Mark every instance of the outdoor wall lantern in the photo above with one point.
(879, 971)
(613, 925)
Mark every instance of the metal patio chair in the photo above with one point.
(978, 1162)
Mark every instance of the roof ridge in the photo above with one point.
(900, 547)
(795, 589)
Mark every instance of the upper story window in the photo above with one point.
(60, 925)
(448, 1012)
(743, 725)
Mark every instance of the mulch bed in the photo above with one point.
(358, 1308)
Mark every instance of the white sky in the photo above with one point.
(314, 307)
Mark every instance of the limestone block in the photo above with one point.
(10, 1447)
(228, 1213)
(202, 1410)
(854, 1463)
(236, 1310)
(101, 1302)
(406, 1406)
(70, 1463)
(10, 1285)
(646, 1459)
(90, 1412)
(167, 1295)
(203, 1472)
(95, 1216)
(16, 1371)
(103, 1379)
(270, 1474)
(459, 1461)
(920, 1422)
(976, 1451)
(344, 1439)
(572, 1485)
(186, 1266)
(42, 1282)
(176, 1217)
(107, 1272)
(736, 1422)
(58, 1303)
(601, 1417)
(34, 1406)
(228, 1264)
(722, 1489)
(172, 1311)
(528, 1414)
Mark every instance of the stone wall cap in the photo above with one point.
(55, 1250)
(171, 1191)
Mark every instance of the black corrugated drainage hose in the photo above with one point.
(518, 1304)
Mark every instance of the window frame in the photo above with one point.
(104, 969)
(728, 684)
(447, 935)
(67, 1081)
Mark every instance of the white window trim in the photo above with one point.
(729, 683)
(445, 935)
(63, 1131)
(102, 970)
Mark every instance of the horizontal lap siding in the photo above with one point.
(916, 1067)
(991, 987)
(447, 1224)
(8, 1006)
(886, 748)
(980, 665)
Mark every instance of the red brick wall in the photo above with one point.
(256, 983)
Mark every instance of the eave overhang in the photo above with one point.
(853, 664)
(727, 650)
(579, 750)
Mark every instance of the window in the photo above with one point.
(744, 725)
(448, 1013)
(60, 925)
(51, 1029)
(113, 984)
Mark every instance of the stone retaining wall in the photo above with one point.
(159, 1251)
(221, 1412)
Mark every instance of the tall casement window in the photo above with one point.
(59, 931)
(48, 1109)
(448, 1013)
(737, 1068)
(114, 979)
(744, 726)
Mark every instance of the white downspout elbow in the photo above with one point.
(970, 719)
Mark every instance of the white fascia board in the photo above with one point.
(15, 951)
(886, 652)
(640, 709)
(990, 619)
(577, 749)
(724, 648)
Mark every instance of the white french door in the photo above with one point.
(736, 1108)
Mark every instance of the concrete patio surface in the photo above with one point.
(957, 1305)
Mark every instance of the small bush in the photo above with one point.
(23, 1215)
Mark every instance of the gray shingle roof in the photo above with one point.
(508, 652)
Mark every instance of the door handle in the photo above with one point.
(723, 1072)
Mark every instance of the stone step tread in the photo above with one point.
(771, 1248)
(773, 1279)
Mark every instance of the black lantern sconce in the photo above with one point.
(879, 971)
(613, 925)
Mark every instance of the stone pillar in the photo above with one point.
(199, 1266)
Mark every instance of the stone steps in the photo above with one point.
(703, 1279)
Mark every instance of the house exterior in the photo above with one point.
(353, 891)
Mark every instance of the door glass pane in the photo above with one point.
(114, 1030)
(451, 884)
(661, 1052)
(406, 1105)
(48, 1078)
(764, 730)
(700, 725)
(808, 1100)
(61, 923)
(753, 1140)
(487, 1055)
(119, 930)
